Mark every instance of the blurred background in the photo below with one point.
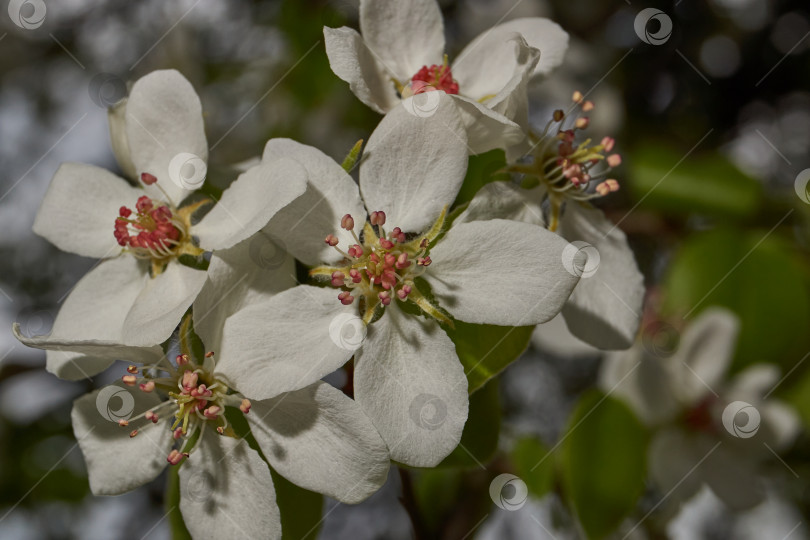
(713, 123)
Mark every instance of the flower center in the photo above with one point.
(438, 77)
(195, 400)
(153, 231)
(382, 266)
(701, 416)
(569, 167)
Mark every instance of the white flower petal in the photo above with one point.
(504, 200)
(731, 475)
(352, 61)
(251, 271)
(249, 203)
(321, 440)
(79, 209)
(674, 463)
(161, 304)
(409, 380)
(117, 117)
(500, 272)
(644, 382)
(486, 65)
(404, 36)
(753, 382)
(414, 166)
(331, 193)
(486, 128)
(704, 353)
(781, 421)
(87, 333)
(605, 307)
(116, 462)
(555, 338)
(226, 491)
(287, 342)
(164, 120)
(512, 100)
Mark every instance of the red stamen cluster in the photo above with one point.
(438, 77)
(379, 269)
(152, 227)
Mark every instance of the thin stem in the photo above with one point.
(408, 500)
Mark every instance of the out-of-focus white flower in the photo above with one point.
(708, 430)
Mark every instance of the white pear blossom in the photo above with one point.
(173, 414)
(708, 431)
(139, 291)
(401, 53)
(603, 312)
(381, 263)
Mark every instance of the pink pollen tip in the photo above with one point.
(386, 244)
(133, 433)
(331, 240)
(338, 279)
(147, 386)
(152, 417)
(182, 359)
(148, 179)
(423, 261)
(355, 275)
(403, 292)
(346, 298)
(607, 143)
(123, 423)
(614, 160)
(582, 123)
(132, 369)
(347, 222)
(209, 354)
(385, 298)
(356, 251)
(175, 457)
(587, 106)
(377, 218)
(129, 380)
(245, 406)
(177, 433)
(124, 212)
(212, 412)
(577, 97)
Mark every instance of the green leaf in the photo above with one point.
(603, 462)
(534, 464)
(482, 169)
(707, 184)
(198, 263)
(479, 440)
(301, 510)
(756, 275)
(485, 350)
(436, 492)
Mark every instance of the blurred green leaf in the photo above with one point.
(707, 184)
(603, 462)
(534, 465)
(301, 510)
(485, 350)
(755, 275)
(436, 491)
(479, 440)
(481, 170)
